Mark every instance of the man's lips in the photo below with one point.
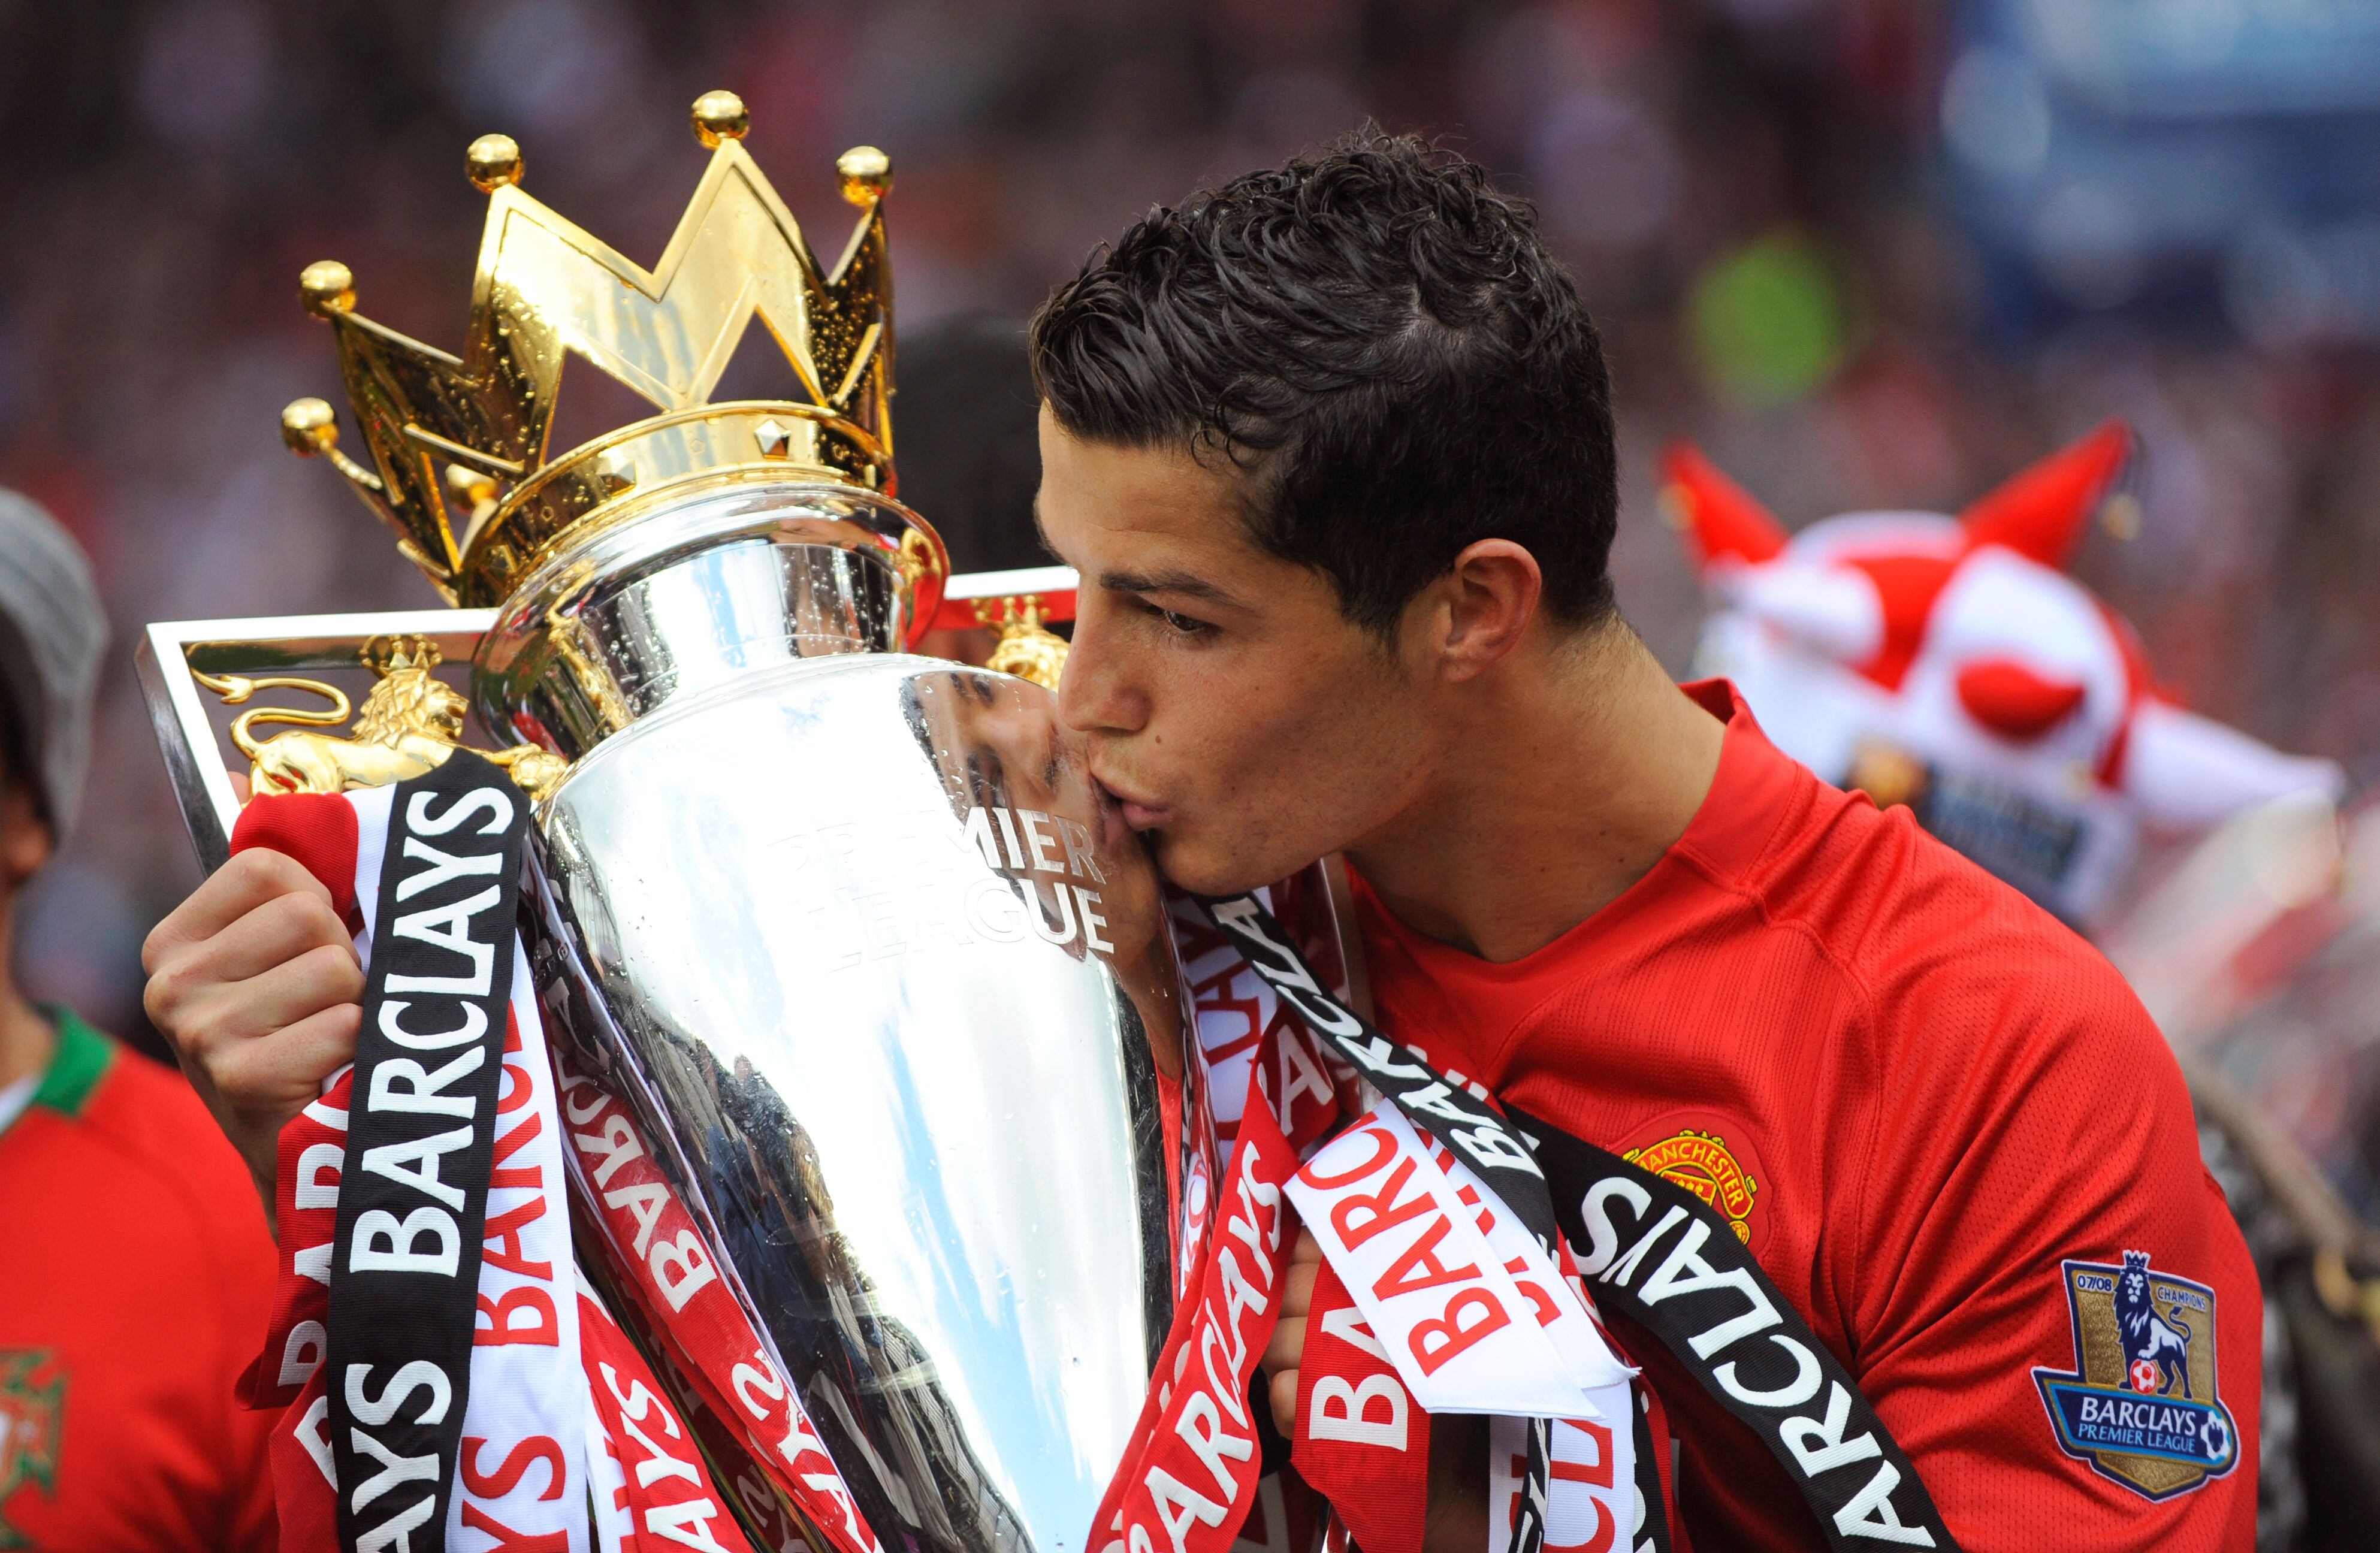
(1140, 814)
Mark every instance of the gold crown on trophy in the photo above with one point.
(458, 445)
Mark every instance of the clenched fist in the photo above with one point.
(255, 983)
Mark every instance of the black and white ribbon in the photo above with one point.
(422, 1137)
(1655, 1253)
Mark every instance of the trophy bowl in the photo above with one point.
(883, 976)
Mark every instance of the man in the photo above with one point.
(137, 1275)
(1331, 447)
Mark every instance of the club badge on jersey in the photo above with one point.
(2141, 1404)
(1711, 1156)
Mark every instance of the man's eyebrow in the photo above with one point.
(1182, 583)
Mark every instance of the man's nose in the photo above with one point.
(1095, 690)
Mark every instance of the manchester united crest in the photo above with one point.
(2141, 1404)
(1715, 1165)
(30, 1413)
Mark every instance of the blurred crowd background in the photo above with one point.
(1869, 253)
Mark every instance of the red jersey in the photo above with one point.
(1944, 1125)
(136, 1274)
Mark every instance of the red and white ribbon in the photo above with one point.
(1448, 1311)
(570, 1443)
(694, 1315)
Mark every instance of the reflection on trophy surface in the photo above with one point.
(877, 969)
(858, 934)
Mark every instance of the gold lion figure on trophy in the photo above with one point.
(411, 722)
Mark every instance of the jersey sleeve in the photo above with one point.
(2055, 1311)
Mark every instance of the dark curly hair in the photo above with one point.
(1383, 343)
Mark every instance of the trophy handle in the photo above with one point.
(172, 654)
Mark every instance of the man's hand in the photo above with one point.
(255, 983)
(1280, 1356)
(1457, 1518)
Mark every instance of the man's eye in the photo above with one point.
(1181, 625)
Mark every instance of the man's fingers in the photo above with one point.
(249, 879)
(197, 1010)
(1288, 1343)
(1297, 1290)
(270, 1079)
(1282, 1355)
(273, 934)
(325, 976)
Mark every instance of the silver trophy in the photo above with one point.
(883, 976)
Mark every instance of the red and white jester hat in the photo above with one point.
(1948, 663)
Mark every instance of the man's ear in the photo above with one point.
(1488, 599)
(25, 840)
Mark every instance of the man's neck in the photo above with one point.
(1568, 776)
(27, 1041)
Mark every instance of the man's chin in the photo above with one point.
(1187, 865)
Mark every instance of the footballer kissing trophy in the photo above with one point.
(882, 976)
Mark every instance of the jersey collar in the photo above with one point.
(1751, 794)
(81, 1060)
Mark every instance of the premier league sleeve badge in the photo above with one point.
(2140, 1405)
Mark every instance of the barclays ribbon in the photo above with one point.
(1660, 1256)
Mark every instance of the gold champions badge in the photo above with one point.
(1701, 1163)
(2140, 1403)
